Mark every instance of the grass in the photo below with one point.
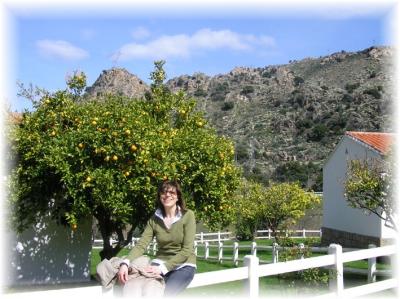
(273, 285)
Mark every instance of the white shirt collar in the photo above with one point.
(178, 215)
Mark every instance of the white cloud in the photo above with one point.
(183, 45)
(60, 49)
(140, 33)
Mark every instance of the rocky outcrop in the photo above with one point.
(117, 81)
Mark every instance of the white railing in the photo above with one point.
(252, 271)
(254, 249)
(225, 236)
(214, 237)
(299, 233)
(260, 234)
(334, 259)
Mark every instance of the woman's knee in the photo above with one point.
(178, 280)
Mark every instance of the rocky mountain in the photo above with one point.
(286, 119)
(117, 81)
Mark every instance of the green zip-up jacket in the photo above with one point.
(175, 245)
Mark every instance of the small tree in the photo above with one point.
(284, 204)
(248, 199)
(369, 187)
(105, 158)
(275, 207)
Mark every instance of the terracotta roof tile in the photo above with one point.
(382, 142)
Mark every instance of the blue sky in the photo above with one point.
(51, 42)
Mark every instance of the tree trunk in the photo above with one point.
(107, 227)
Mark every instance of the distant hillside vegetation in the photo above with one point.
(285, 119)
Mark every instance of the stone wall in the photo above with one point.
(350, 240)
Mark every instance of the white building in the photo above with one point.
(341, 223)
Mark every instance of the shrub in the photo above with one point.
(314, 277)
(200, 93)
(347, 98)
(318, 132)
(374, 91)
(350, 87)
(298, 80)
(219, 91)
(227, 106)
(180, 82)
(247, 89)
(242, 153)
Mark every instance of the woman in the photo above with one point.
(174, 227)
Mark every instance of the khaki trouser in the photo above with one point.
(142, 286)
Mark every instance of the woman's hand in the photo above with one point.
(155, 270)
(123, 273)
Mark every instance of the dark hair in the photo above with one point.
(163, 187)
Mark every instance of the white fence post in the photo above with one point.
(201, 237)
(219, 236)
(301, 247)
(236, 253)
(154, 248)
(336, 282)
(275, 254)
(220, 252)
(206, 251)
(195, 248)
(269, 234)
(254, 248)
(252, 284)
(371, 267)
(304, 232)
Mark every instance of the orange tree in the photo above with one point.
(275, 207)
(75, 159)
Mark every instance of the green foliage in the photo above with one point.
(275, 207)
(76, 83)
(227, 106)
(247, 90)
(242, 153)
(295, 171)
(298, 80)
(246, 199)
(313, 277)
(369, 185)
(347, 98)
(200, 93)
(106, 159)
(269, 73)
(374, 91)
(350, 87)
(318, 132)
(219, 91)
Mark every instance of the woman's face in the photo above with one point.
(169, 197)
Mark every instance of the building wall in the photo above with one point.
(48, 253)
(338, 216)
